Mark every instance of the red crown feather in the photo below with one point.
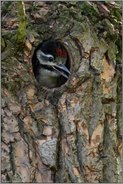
(61, 52)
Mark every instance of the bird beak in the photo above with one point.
(62, 69)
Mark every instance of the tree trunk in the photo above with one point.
(71, 133)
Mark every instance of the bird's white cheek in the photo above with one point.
(38, 54)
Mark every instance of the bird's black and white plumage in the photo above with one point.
(50, 63)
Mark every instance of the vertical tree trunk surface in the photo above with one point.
(71, 133)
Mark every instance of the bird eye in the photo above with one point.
(51, 58)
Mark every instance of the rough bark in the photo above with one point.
(72, 133)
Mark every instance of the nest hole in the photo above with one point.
(51, 63)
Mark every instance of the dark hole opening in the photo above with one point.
(51, 64)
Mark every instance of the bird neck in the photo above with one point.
(48, 78)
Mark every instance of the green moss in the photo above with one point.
(119, 50)
(2, 43)
(90, 11)
(21, 34)
(112, 51)
(7, 7)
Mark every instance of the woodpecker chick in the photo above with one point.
(50, 63)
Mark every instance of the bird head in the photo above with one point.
(54, 58)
